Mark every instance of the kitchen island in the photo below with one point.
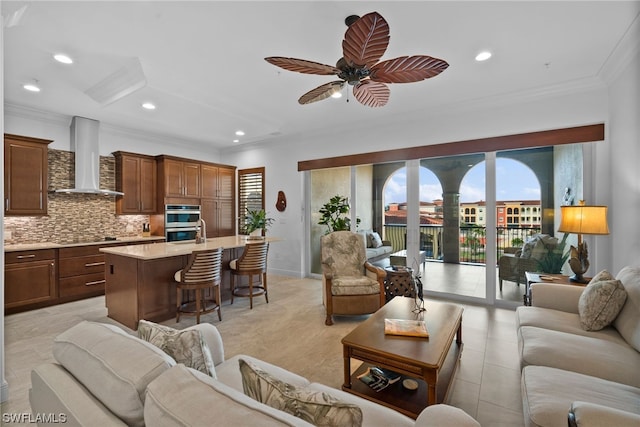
(139, 279)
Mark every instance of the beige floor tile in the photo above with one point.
(490, 415)
(501, 386)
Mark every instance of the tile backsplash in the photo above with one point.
(74, 217)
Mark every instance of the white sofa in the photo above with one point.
(569, 374)
(106, 377)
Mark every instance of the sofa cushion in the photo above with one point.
(317, 408)
(187, 347)
(547, 394)
(628, 320)
(354, 285)
(583, 354)
(114, 366)
(562, 321)
(600, 304)
(183, 396)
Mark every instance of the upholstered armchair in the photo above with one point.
(353, 286)
(516, 261)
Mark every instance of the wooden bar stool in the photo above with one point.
(252, 262)
(203, 271)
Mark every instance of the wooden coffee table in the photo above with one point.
(431, 361)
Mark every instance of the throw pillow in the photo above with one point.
(186, 347)
(600, 303)
(376, 240)
(315, 407)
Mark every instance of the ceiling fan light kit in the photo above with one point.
(365, 41)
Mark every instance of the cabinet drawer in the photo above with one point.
(69, 267)
(77, 251)
(28, 256)
(80, 285)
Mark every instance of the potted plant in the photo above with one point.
(256, 221)
(334, 214)
(554, 258)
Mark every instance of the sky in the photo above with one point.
(514, 180)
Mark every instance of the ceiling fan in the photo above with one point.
(365, 41)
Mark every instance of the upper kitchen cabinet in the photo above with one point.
(136, 177)
(178, 177)
(25, 175)
(218, 182)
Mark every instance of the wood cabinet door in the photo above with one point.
(209, 212)
(226, 218)
(191, 173)
(226, 183)
(127, 181)
(173, 178)
(209, 181)
(148, 185)
(29, 283)
(25, 175)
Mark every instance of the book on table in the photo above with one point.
(406, 327)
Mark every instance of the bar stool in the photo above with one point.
(203, 271)
(252, 262)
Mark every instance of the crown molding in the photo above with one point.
(625, 50)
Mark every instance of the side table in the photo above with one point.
(558, 279)
(399, 282)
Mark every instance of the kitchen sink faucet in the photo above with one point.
(203, 231)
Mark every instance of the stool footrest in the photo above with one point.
(244, 291)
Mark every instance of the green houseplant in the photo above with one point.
(334, 214)
(555, 257)
(255, 221)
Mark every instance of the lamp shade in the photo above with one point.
(583, 219)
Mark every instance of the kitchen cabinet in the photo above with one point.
(178, 177)
(136, 177)
(25, 175)
(218, 201)
(29, 279)
(81, 271)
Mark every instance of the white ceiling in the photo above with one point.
(204, 66)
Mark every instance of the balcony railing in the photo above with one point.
(472, 240)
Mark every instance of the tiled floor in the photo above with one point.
(290, 332)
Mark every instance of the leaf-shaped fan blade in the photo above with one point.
(366, 40)
(371, 94)
(407, 69)
(302, 66)
(321, 92)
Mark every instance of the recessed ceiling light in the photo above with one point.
(483, 56)
(236, 140)
(31, 87)
(63, 58)
(148, 106)
(239, 133)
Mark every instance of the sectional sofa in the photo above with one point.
(573, 372)
(106, 377)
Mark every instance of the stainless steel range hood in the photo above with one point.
(85, 143)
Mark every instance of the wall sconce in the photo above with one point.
(582, 219)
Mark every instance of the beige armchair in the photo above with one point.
(352, 285)
(512, 266)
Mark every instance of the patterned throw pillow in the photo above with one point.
(315, 407)
(186, 347)
(601, 301)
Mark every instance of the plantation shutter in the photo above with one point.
(250, 193)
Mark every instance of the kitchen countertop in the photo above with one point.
(172, 249)
(53, 245)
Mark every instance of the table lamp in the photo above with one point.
(582, 219)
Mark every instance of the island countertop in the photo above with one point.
(172, 249)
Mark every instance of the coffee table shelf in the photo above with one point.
(432, 361)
